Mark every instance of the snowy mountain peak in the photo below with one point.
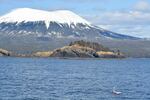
(31, 15)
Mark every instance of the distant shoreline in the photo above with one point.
(77, 49)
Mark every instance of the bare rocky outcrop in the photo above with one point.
(109, 54)
(4, 52)
(43, 54)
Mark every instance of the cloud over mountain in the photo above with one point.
(132, 22)
(142, 5)
(117, 12)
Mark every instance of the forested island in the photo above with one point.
(77, 49)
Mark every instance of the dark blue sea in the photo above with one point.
(74, 79)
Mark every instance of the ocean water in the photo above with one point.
(74, 79)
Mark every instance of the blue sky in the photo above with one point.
(78, 6)
(130, 17)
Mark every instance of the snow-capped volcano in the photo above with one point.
(55, 24)
(26, 30)
(33, 15)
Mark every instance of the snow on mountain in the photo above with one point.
(62, 23)
(33, 15)
(28, 30)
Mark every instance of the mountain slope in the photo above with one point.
(55, 24)
(26, 30)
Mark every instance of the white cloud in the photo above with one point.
(133, 30)
(125, 18)
(142, 5)
(135, 22)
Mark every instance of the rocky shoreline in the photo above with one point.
(77, 49)
(5, 52)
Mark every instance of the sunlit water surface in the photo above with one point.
(78, 79)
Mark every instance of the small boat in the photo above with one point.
(116, 92)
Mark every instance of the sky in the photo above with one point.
(131, 17)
